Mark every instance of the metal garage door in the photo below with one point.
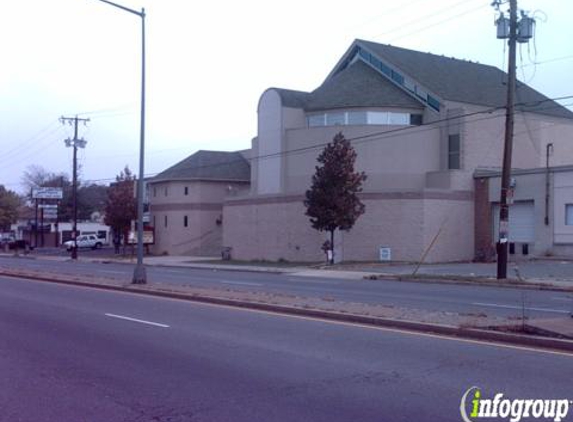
(521, 222)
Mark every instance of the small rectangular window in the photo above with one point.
(357, 118)
(185, 221)
(154, 225)
(374, 62)
(377, 118)
(333, 119)
(569, 214)
(364, 54)
(416, 119)
(454, 152)
(396, 77)
(154, 191)
(165, 190)
(316, 120)
(434, 103)
(186, 190)
(399, 119)
(165, 220)
(385, 69)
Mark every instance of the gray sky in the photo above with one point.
(208, 63)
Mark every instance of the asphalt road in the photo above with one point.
(70, 354)
(425, 296)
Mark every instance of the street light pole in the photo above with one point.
(139, 273)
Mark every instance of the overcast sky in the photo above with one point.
(209, 62)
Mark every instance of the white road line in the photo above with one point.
(240, 283)
(155, 324)
(495, 305)
(568, 299)
(111, 272)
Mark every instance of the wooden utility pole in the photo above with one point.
(75, 143)
(502, 246)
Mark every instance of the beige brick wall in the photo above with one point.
(273, 228)
(203, 207)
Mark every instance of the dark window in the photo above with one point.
(385, 69)
(154, 192)
(398, 78)
(186, 190)
(569, 214)
(165, 220)
(415, 119)
(454, 152)
(154, 225)
(185, 221)
(165, 190)
(432, 102)
(375, 62)
(364, 54)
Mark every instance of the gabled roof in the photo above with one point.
(209, 165)
(359, 85)
(462, 81)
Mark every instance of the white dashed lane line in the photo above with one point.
(495, 305)
(140, 321)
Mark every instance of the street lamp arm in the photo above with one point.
(127, 9)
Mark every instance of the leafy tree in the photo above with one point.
(90, 198)
(121, 207)
(332, 201)
(9, 204)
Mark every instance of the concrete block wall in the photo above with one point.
(274, 228)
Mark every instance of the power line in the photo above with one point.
(30, 140)
(437, 23)
(422, 18)
(388, 134)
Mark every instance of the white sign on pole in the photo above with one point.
(50, 213)
(48, 206)
(47, 193)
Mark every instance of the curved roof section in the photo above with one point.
(291, 98)
(359, 86)
(209, 166)
(464, 81)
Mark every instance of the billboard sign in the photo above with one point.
(148, 237)
(47, 193)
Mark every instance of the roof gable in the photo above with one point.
(446, 78)
(359, 85)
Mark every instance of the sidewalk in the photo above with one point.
(535, 273)
(550, 273)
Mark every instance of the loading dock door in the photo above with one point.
(521, 222)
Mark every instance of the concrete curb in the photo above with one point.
(445, 330)
(468, 281)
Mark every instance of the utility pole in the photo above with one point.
(515, 32)
(75, 143)
(548, 150)
(503, 244)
